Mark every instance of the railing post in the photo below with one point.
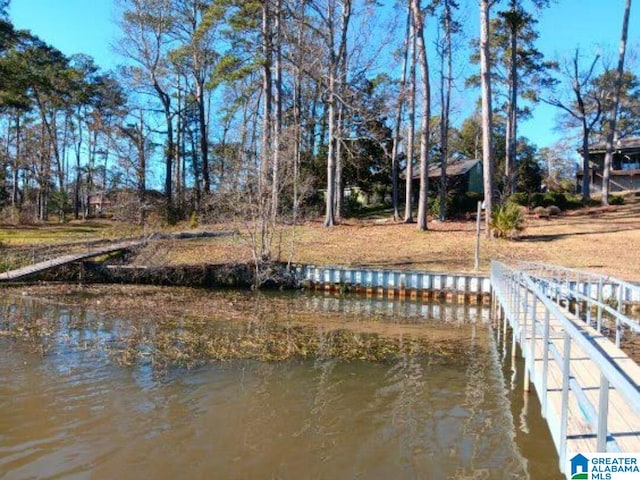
(587, 288)
(603, 413)
(505, 306)
(600, 301)
(564, 409)
(523, 333)
(545, 361)
(516, 327)
(532, 344)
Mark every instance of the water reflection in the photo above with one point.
(74, 413)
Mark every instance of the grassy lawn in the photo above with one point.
(59, 233)
(603, 240)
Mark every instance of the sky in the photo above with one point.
(594, 26)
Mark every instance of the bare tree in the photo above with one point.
(336, 54)
(146, 40)
(446, 80)
(585, 107)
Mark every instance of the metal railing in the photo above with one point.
(591, 283)
(587, 294)
(530, 311)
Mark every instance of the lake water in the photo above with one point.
(70, 407)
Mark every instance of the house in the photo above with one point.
(625, 171)
(463, 175)
(99, 202)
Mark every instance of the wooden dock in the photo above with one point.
(40, 267)
(589, 389)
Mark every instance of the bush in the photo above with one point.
(536, 200)
(466, 203)
(507, 221)
(434, 206)
(193, 220)
(554, 210)
(352, 205)
(616, 200)
(557, 199)
(574, 202)
(541, 212)
(456, 204)
(520, 198)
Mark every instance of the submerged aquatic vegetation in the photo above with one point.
(180, 327)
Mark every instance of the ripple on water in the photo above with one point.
(74, 413)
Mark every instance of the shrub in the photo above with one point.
(553, 210)
(541, 212)
(434, 206)
(616, 200)
(536, 200)
(520, 198)
(456, 204)
(466, 203)
(351, 205)
(557, 199)
(193, 220)
(507, 221)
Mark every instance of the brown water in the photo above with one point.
(70, 411)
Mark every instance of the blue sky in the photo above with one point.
(88, 26)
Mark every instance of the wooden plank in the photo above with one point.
(63, 260)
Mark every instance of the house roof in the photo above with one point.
(622, 144)
(455, 168)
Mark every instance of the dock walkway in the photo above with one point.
(39, 267)
(588, 387)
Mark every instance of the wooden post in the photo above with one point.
(477, 256)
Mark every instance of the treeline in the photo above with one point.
(262, 110)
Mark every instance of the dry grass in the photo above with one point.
(604, 240)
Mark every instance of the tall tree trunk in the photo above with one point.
(277, 127)
(264, 193)
(141, 171)
(165, 99)
(408, 215)
(329, 220)
(16, 164)
(181, 126)
(445, 100)
(204, 134)
(613, 115)
(339, 164)
(586, 168)
(423, 206)
(336, 76)
(512, 108)
(397, 125)
(487, 120)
